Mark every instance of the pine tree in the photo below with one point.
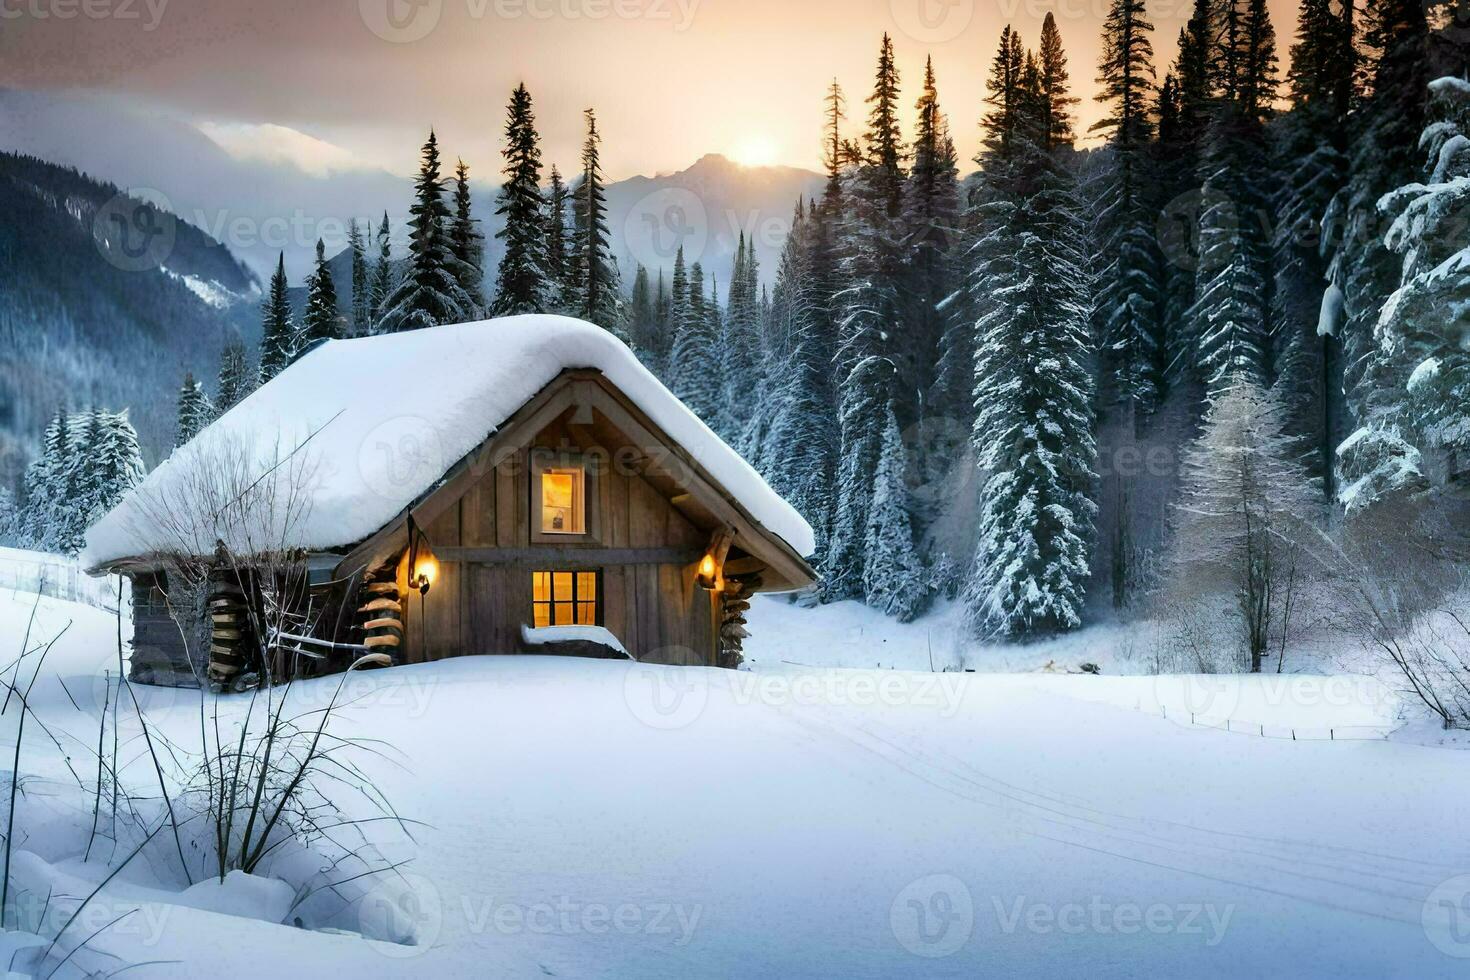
(1382, 157)
(235, 381)
(278, 332)
(740, 342)
(1230, 317)
(1245, 512)
(892, 577)
(521, 283)
(466, 244)
(46, 485)
(1310, 149)
(431, 293)
(1130, 320)
(558, 255)
(321, 321)
(195, 411)
(1033, 385)
(361, 283)
(1425, 322)
(931, 229)
(694, 365)
(382, 284)
(117, 464)
(867, 395)
(643, 322)
(597, 272)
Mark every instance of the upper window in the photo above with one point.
(564, 500)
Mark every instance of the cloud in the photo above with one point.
(270, 143)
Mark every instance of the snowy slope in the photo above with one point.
(596, 818)
(367, 426)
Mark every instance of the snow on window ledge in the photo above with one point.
(537, 636)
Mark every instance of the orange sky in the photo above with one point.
(671, 79)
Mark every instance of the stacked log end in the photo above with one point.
(232, 645)
(380, 615)
(733, 607)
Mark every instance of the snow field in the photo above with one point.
(601, 818)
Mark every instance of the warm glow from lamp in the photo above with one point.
(426, 569)
(707, 571)
(423, 567)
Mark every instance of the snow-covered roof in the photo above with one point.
(368, 426)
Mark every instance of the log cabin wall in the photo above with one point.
(645, 549)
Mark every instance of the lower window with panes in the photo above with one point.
(566, 598)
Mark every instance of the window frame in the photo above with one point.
(543, 462)
(576, 600)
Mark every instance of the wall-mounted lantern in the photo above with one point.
(423, 567)
(710, 573)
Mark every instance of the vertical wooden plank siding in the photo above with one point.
(479, 607)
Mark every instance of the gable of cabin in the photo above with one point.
(579, 512)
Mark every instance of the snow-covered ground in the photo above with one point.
(589, 818)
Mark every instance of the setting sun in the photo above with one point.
(755, 150)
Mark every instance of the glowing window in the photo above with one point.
(563, 501)
(564, 598)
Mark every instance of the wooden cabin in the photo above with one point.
(598, 517)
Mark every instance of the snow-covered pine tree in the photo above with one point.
(599, 300)
(195, 412)
(116, 465)
(361, 280)
(1246, 511)
(70, 515)
(521, 284)
(430, 293)
(277, 331)
(663, 336)
(870, 305)
(931, 228)
(558, 246)
(1230, 317)
(1310, 150)
(740, 342)
(235, 378)
(722, 420)
(1382, 157)
(1184, 110)
(1129, 320)
(867, 395)
(1426, 321)
(694, 365)
(466, 244)
(643, 322)
(893, 580)
(1033, 384)
(382, 283)
(321, 321)
(43, 482)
